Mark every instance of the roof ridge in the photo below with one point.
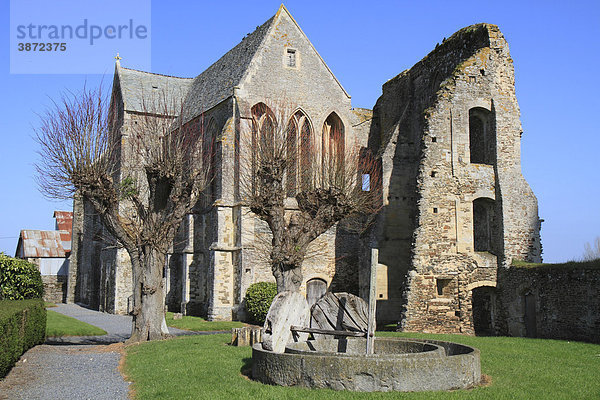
(238, 44)
(154, 73)
(216, 83)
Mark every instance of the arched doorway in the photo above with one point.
(315, 289)
(484, 308)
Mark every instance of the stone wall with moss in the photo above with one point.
(552, 301)
(449, 222)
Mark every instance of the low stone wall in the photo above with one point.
(397, 365)
(551, 301)
(55, 288)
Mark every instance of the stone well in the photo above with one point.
(398, 365)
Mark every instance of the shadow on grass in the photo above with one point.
(246, 369)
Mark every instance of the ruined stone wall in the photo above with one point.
(435, 252)
(55, 288)
(397, 144)
(552, 302)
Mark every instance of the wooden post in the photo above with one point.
(372, 301)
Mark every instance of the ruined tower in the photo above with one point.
(456, 206)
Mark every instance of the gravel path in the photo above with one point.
(65, 372)
(75, 367)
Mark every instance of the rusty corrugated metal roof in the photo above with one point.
(64, 222)
(42, 243)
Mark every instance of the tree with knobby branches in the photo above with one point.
(142, 183)
(328, 176)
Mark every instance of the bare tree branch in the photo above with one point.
(142, 183)
(282, 158)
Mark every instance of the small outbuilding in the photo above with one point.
(50, 251)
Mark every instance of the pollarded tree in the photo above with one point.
(330, 179)
(82, 149)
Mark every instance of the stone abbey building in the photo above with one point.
(455, 207)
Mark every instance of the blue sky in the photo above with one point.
(554, 45)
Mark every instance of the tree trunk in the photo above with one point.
(287, 276)
(149, 309)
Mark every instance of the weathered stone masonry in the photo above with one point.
(551, 301)
(219, 250)
(456, 207)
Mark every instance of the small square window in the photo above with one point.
(435, 210)
(433, 174)
(434, 139)
(443, 287)
(291, 58)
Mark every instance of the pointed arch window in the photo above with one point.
(333, 145)
(299, 151)
(264, 125)
(209, 159)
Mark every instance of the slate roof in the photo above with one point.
(40, 244)
(137, 85)
(209, 88)
(216, 83)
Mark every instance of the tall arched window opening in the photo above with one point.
(481, 136)
(264, 125)
(299, 154)
(209, 159)
(483, 224)
(333, 145)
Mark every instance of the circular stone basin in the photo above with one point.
(397, 365)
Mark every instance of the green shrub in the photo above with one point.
(19, 279)
(259, 297)
(22, 326)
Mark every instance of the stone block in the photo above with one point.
(246, 336)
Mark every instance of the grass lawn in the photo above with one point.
(58, 324)
(206, 367)
(200, 324)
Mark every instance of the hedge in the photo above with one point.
(259, 297)
(22, 326)
(19, 279)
